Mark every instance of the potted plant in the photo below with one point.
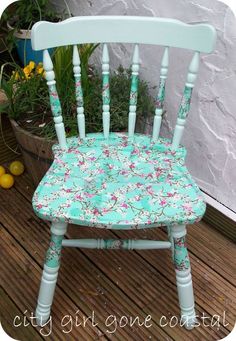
(20, 18)
(29, 109)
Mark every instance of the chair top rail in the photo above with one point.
(124, 29)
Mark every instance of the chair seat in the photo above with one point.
(119, 183)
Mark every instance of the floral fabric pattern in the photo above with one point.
(79, 91)
(54, 251)
(115, 244)
(185, 103)
(181, 259)
(134, 90)
(161, 94)
(54, 101)
(106, 90)
(119, 183)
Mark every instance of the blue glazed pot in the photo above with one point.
(25, 52)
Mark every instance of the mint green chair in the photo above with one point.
(120, 180)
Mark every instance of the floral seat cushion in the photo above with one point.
(119, 183)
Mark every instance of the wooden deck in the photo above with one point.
(105, 283)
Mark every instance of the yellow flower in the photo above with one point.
(40, 69)
(31, 65)
(28, 69)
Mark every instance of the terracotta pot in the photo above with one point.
(36, 151)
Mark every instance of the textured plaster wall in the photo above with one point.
(210, 134)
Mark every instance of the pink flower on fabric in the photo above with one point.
(169, 194)
(189, 185)
(138, 184)
(100, 171)
(132, 166)
(96, 211)
(110, 166)
(135, 151)
(124, 205)
(92, 158)
(150, 190)
(187, 207)
(81, 163)
(113, 197)
(163, 202)
(69, 190)
(137, 197)
(78, 196)
(106, 152)
(89, 195)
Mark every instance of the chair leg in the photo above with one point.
(50, 273)
(183, 277)
(171, 240)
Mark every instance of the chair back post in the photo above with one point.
(161, 95)
(105, 92)
(186, 100)
(133, 92)
(54, 99)
(78, 92)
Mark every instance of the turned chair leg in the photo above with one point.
(170, 237)
(50, 273)
(183, 276)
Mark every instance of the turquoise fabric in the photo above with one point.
(119, 183)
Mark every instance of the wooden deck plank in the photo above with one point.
(126, 282)
(213, 291)
(215, 250)
(152, 285)
(9, 312)
(18, 265)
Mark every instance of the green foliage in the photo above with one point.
(64, 73)
(25, 94)
(28, 12)
(23, 14)
(119, 106)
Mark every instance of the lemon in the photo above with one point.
(16, 168)
(2, 170)
(6, 181)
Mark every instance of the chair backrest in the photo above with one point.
(119, 29)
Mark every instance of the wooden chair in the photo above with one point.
(120, 180)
